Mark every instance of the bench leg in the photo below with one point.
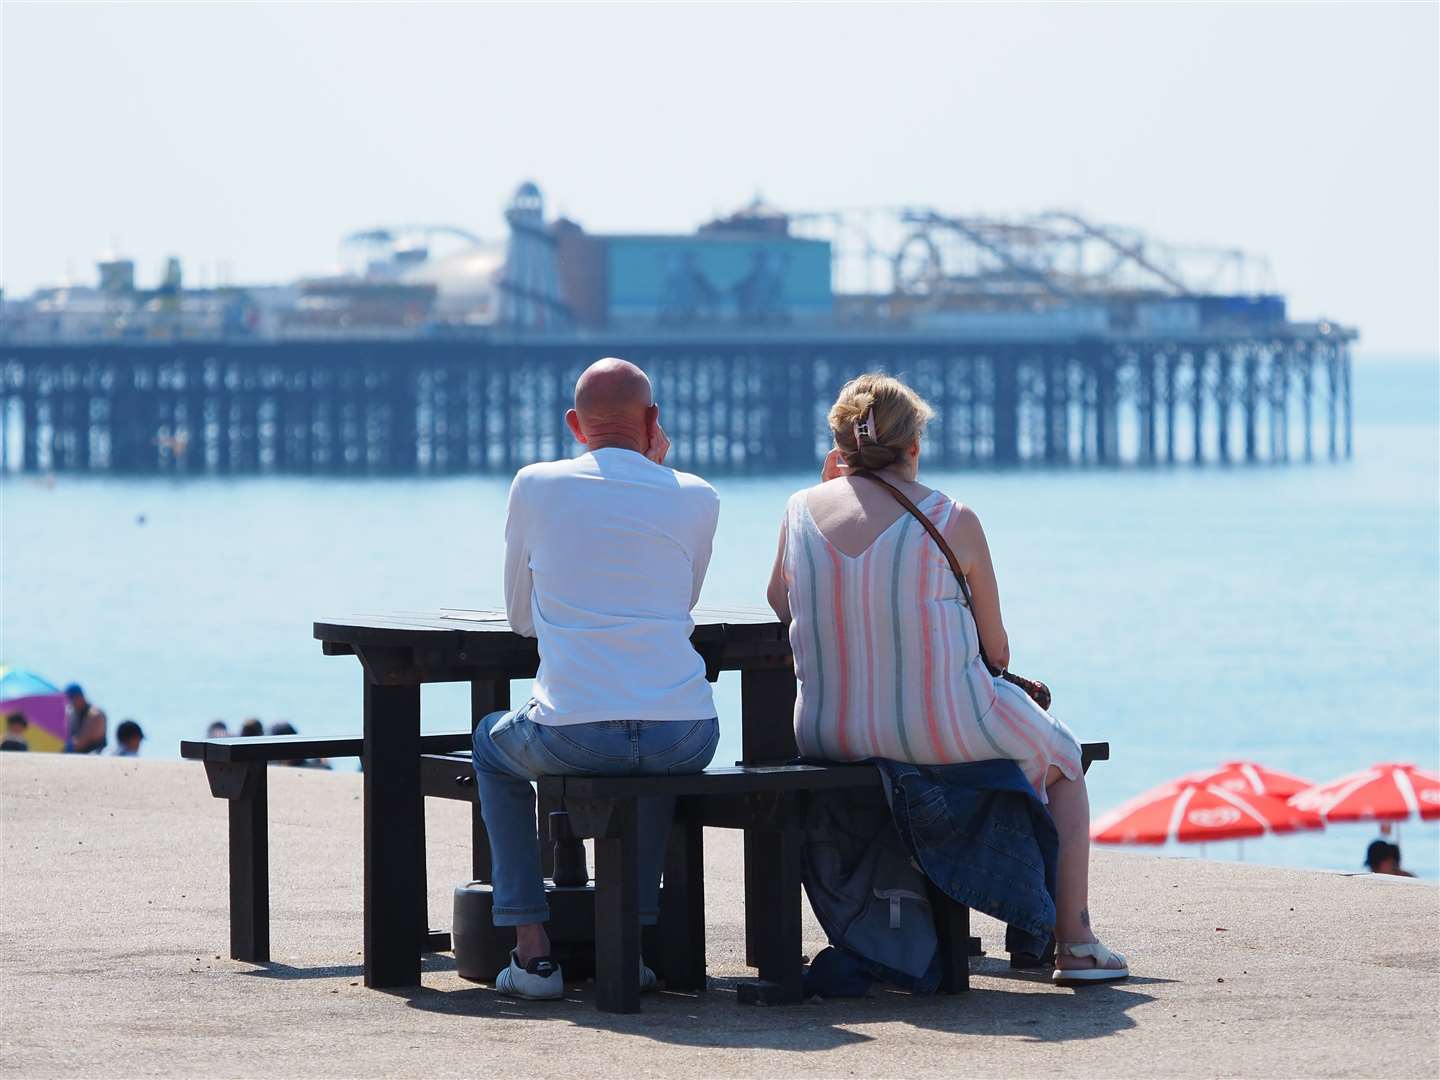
(250, 871)
(245, 788)
(952, 928)
(617, 913)
(775, 920)
(395, 916)
(681, 962)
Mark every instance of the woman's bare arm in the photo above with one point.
(968, 539)
(777, 593)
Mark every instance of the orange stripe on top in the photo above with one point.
(872, 714)
(953, 726)
(842, 676)
(1014, 722)
(932, 723)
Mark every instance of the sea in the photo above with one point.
(1190, 615)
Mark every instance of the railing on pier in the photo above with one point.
(460, 406)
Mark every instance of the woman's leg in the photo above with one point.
(1070, 807)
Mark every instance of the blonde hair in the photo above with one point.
(876, 419)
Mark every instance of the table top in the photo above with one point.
(445, 625)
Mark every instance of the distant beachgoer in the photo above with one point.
(284, 727)
(87, 724)
(129, 737)
(1383, 857)
(15, 728)
(217, 730)
(252, 726)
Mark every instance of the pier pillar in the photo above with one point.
(455, 416)
(85, 434)
(30, 421)
(1349, 404)
(1005, 365)
(1166, 389)
(195, 435)
(1107, 427)
(1057, 408)
(1307, 392)
(1149, 379)
(1198, 364)
(1224, 396)
(1250, 400)
(1332, 381)
(1279, 386)
(404, 421)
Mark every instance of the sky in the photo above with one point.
(249, 138)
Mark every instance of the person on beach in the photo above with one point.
(128, 738)
(87, 725)
(605, 554)
(15, 727)
(1383, 857)
(887, 655)
(217, 730)
(252, 727)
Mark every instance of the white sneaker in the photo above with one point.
(539, 980)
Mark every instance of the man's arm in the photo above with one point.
(705, 547)
(519, 583)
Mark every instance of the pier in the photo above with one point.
(731, 404)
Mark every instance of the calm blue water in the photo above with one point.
(1289, 615)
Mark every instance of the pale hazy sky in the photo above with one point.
(258, 135)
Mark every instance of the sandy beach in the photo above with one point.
(114, 940)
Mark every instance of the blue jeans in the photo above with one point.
(511, 750)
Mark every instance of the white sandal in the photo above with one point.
(1101, 972)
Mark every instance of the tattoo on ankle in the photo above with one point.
(1085, 918)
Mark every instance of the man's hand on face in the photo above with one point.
(659, 443)
(834, 466)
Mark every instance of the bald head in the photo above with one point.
(614, 406)
(612, 390)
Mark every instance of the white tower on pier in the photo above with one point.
(530, 297)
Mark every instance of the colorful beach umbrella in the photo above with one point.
(41, 703)
(1190, 813)
(1250, 778)
(1386, 792)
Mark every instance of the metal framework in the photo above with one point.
(1026, 261)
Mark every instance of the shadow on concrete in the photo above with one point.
(715, 1019)
(430, 962)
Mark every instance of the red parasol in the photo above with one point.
(1250, 778)
(1387, 792)
(1191, 813)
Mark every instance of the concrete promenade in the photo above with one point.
(113, 942)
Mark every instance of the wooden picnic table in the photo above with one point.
(401, 651)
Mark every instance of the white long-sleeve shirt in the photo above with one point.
(604, 558)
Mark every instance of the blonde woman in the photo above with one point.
(888, 655)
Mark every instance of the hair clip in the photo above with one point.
(865, 427)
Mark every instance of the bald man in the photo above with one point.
(605, 554)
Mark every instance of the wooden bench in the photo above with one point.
(236, 768)
(768, 802)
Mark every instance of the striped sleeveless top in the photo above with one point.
(888, 660)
